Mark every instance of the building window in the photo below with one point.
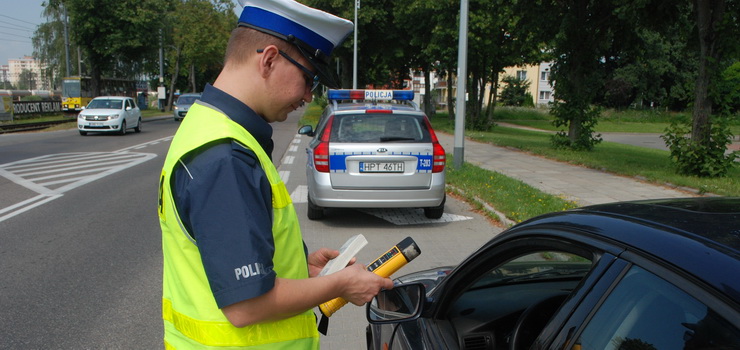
(521, 75)
(545, 95)
(545, 75)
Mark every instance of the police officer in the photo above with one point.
(237, 273)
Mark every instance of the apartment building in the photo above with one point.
(37, 80)
(538, 76)
(4, 76)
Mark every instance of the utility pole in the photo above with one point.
(354, 63)
(66, 42)
(462, 73)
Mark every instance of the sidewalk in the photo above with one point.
(582, 185)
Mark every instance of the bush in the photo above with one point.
(704, 159)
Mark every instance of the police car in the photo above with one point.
(370, 152)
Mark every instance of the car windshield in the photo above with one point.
(547, 266)
(105, 104)
(379, 128)
(186, 100)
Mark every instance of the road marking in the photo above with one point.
(284, 175)
(52, 175)
(396, 216)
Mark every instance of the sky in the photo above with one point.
(18, 22)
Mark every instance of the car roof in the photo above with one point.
(111, 97)
(700, 236)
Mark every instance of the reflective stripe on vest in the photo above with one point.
(225, 334)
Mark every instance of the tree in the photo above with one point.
(199, 31)
(114, 32)
(704, 152)
(515, 93)
(49, 45)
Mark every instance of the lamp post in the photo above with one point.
(354, 63)
(462, 73)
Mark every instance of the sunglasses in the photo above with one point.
(312, 79)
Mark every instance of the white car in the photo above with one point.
(110, 114)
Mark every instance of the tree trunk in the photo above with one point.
(709, 15)
(193, 88)
(174, 78)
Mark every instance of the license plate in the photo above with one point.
(381, 167)
(96, 124)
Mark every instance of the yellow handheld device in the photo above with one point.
(386, 265)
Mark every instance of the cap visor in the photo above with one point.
(326, 75)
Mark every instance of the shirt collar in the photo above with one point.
(241, 114)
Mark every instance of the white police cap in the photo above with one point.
(315, 32)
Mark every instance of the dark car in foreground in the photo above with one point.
(657, 274)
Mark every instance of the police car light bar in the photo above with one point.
(374, 95)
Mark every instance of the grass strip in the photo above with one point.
(646, 164)
(516, 200)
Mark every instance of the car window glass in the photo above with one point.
(518, 297)
(646, 312)
(105, 104)
(378, 128)
(186, 100)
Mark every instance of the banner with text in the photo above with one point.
(36, 107)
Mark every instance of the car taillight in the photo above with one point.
(321, 151)
(321, 157)
(439, 159)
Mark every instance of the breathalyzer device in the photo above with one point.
(387, 264)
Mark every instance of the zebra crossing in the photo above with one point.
(52, 175)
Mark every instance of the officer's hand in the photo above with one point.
(318, 259)
(362, 285)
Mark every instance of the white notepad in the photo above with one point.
(346, 253)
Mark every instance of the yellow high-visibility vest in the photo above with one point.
(192, 320)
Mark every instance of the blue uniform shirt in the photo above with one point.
(225, 202)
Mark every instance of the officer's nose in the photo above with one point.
(308, 95)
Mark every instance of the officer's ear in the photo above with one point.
(267, 60)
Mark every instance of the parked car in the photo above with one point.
(109, 114)
(657, 274)
(182, 105)
(368, 154)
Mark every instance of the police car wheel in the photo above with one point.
(314, 211)
(435, 212)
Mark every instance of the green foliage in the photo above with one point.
(726, 94)
(515, 92)
(115, 35)
(704, 158)
(581, 122)
(198, 31)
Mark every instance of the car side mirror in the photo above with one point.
(128, 108)
(403, 303)
(306, 130)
